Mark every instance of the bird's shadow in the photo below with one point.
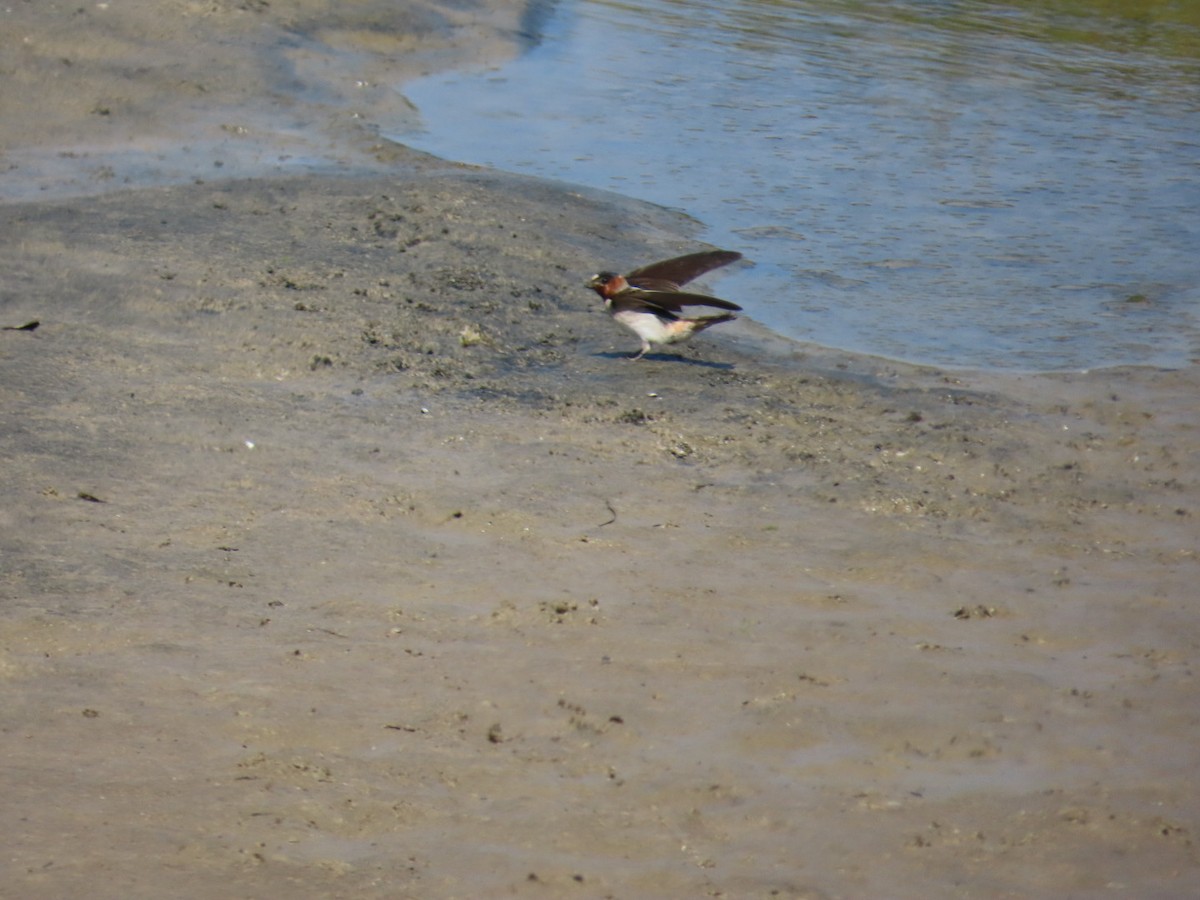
(667, 357)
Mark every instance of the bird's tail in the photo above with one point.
(709, 321)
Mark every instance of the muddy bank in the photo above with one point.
(106, 96)
(343, 555)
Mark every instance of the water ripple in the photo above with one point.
(919, 180)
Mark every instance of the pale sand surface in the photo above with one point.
(344, 557)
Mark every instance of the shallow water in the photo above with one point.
(964, 184)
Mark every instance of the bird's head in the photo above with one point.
(605, 283)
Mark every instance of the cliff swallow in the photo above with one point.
(649, 303)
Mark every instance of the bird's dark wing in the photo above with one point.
(672, 302)
(642, 302)
(683, 269)
(650, 284)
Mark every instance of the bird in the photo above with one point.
(648, 301)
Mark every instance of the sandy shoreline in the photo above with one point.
(107, 96)
(343, 556)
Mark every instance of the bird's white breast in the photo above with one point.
(647, 326)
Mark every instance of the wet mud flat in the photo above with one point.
(345, 555)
